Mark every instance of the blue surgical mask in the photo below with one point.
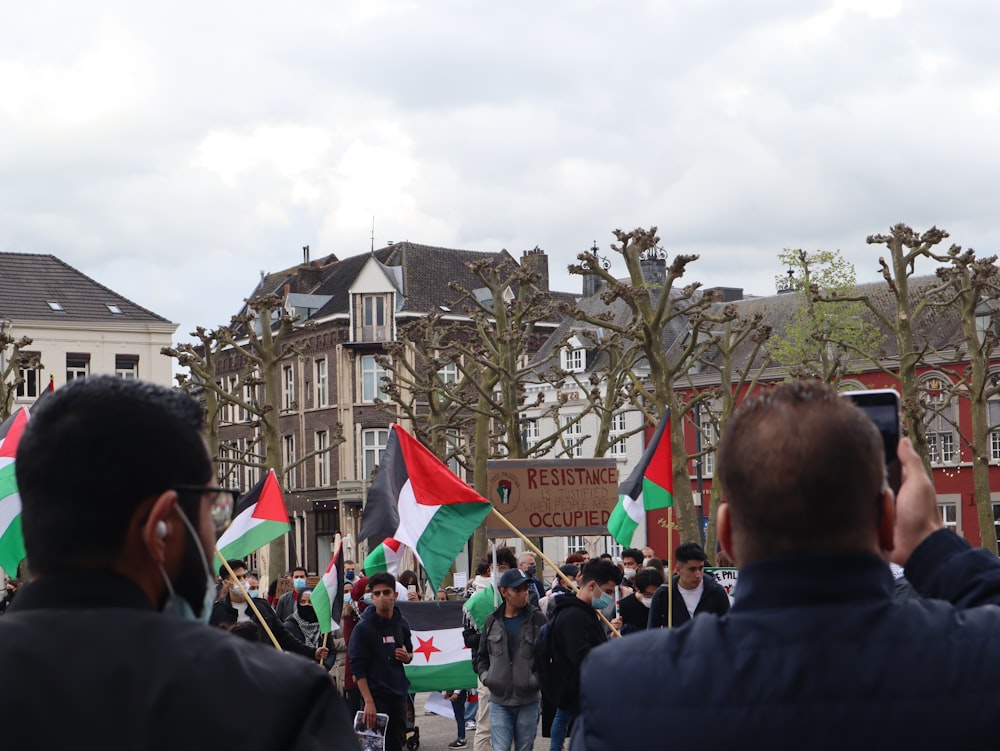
(349, 575)
(299, 584)
(601, 601)
(253, 592)
(367, 599)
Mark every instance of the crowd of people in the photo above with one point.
(817, 649)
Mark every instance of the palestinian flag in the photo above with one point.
(328, 594)
(441, 661)
(259, 517)
(417, 500)
(11, 541)
(648, 488)
(385, 557)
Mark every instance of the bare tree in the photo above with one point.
(14, 360)
(653, 307)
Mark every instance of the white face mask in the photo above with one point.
(647, 601)
(178, 606)
(630, 573)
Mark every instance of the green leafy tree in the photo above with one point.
(823, 339)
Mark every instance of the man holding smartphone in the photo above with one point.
(816, 652)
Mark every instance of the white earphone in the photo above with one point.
(161, 530)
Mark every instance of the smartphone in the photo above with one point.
(882, 407)
(412, 588)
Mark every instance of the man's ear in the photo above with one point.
(724, 531)
(160, 525)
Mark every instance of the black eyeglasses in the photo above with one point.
(223, 502)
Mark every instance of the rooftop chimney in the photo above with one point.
(536, 260)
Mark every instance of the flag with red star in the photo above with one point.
(441, 661)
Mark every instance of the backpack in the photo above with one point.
(545, 656)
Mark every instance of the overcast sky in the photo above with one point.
(172, 151)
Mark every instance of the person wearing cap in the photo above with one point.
(505, 665)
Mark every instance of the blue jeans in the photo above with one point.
(458, 707)
(517, 724)
(560, 726)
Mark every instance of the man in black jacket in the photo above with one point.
(816, 652)
(694, 593)
(380, 645)
(576, 629)
(118, 515)
(234, 607)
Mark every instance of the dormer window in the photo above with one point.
(574, 357)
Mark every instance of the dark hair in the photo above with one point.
(234, 564)
(506, 556)
(483, 566)
(382, 577)
(690, 551)
(635, 554)
(408, 577)
(601, 571)
(647, 576)
(657, 565)
(248, 630)
(303, 569)
(574, 558)
(93, 451)
(605, 557)
(802, 469)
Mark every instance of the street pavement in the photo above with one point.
(436, 732)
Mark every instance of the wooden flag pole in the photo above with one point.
(336, 549)
(260, 619)
(670, 558)
(542, 555)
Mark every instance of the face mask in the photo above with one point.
(367, 599)
(349, 575)
(647, 601)
(630, 573)
(299, 584)
(179, 606)
(601, 601)
(307, 613)
(530, 572)
(254, 593)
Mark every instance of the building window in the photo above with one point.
(371, 379)
(453, 443)
(77, 366)
(288, 382)
(322, 393)
(374, 318)
(949, 514)
(708, 439)
(448, 373)
(573, 359)
(612, 547)
(993, 415)
(249, 394)
(940, 423)
(572, 436)
(127, 366)
(29, 375)
(289, 460)
(531, 434)
(615, 429)
(373, 442)
(322, 459)
(996, 520)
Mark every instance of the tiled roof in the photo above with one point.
(29, 282)
(427, 272)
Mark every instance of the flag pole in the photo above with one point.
(250, 602)
(337, 540)
(545, 558)
(670, 563)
